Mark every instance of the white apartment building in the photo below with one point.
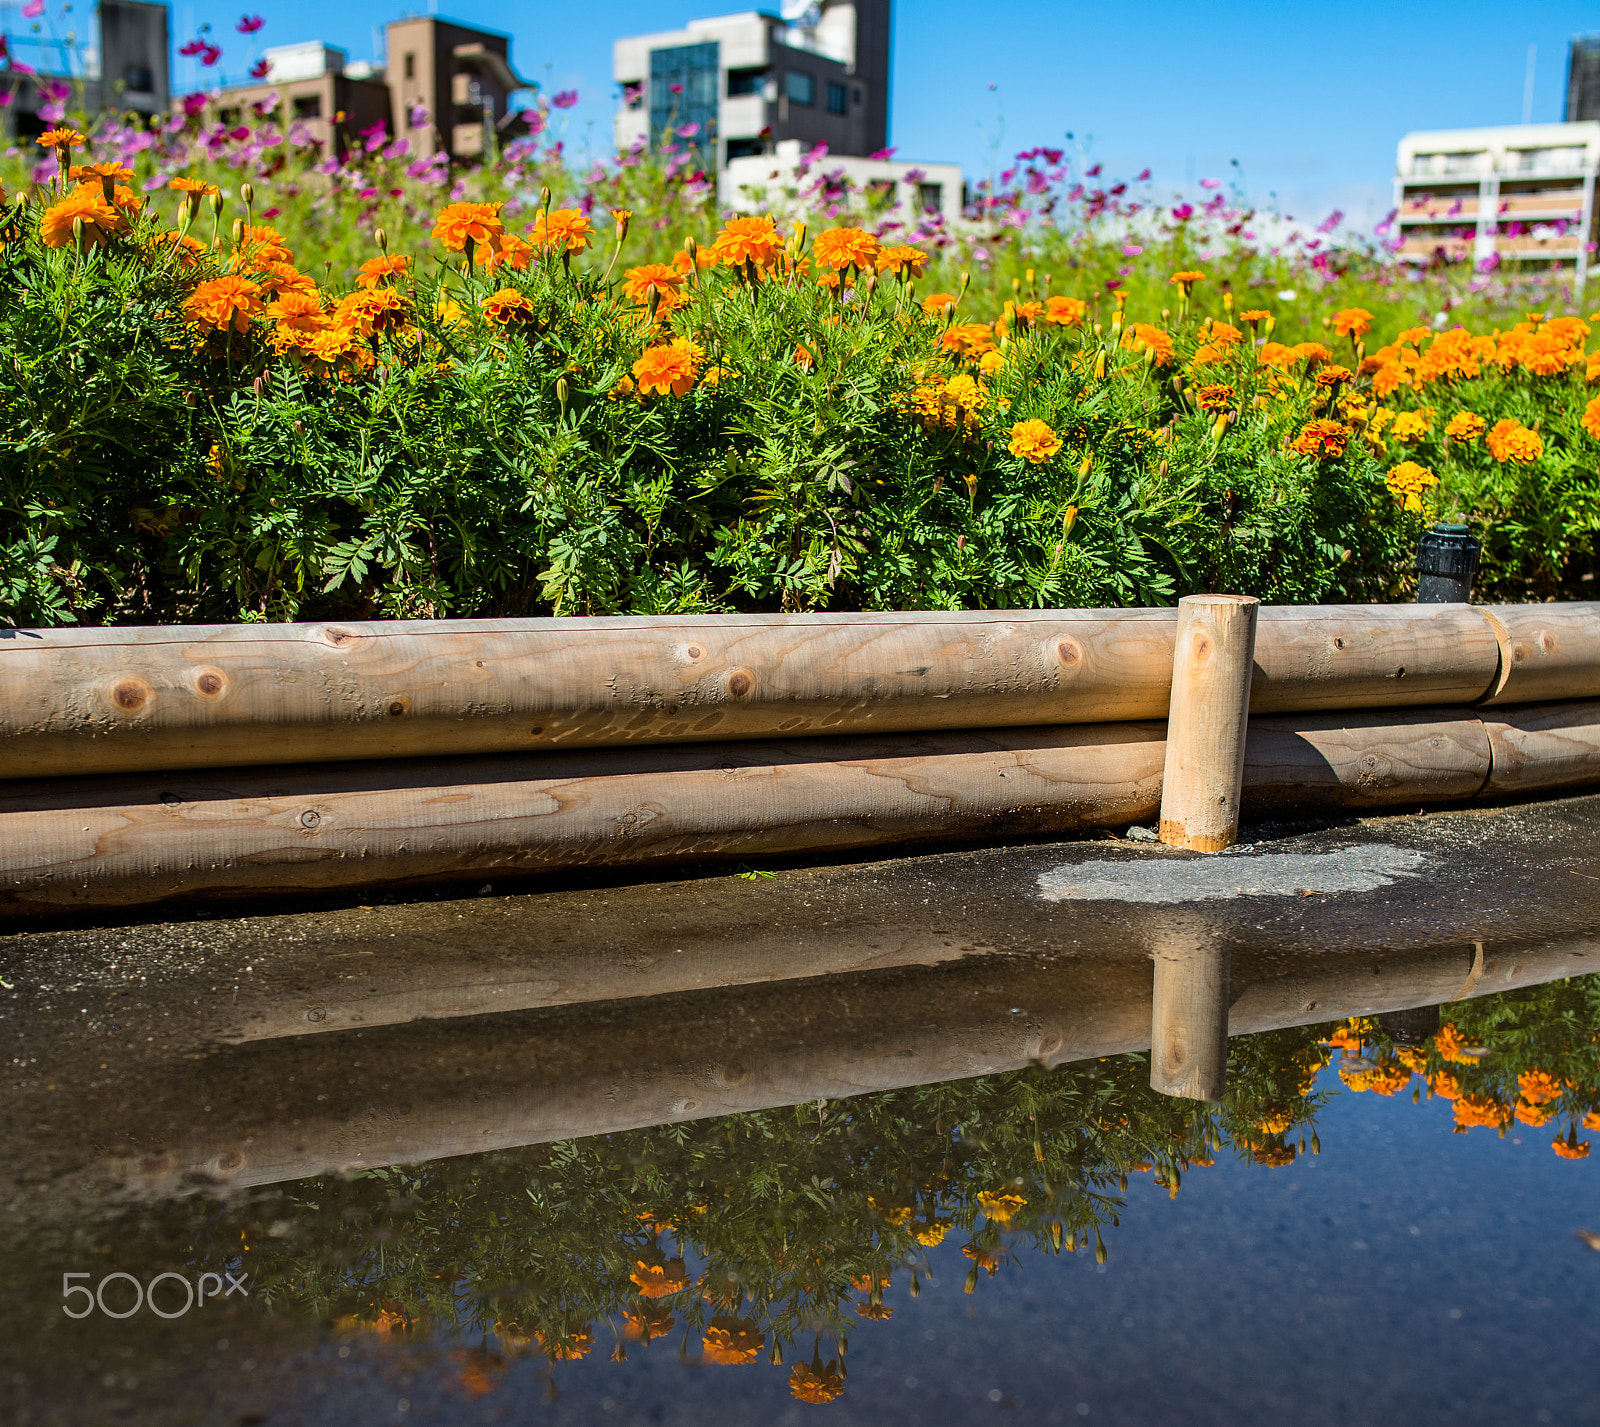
(762, 183)
(1522, 192)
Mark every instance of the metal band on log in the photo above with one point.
(75, 701)
(130, 840)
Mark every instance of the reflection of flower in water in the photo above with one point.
(812, 1382)
(480, 1372)
(1387, 1079)
(1539, 1086)
(732, 1341)
(1479, 1110)
(1532, 1115)
(990, 1259)
(874, 1310)
(658, 1280)
(933, 1232)
(1445, 1085)
(1571, 1147)
(1453, 1045)
(1275, 1123)
(1001, 1208)
(566, 1347)
(647, 1320)
(1273, 1156)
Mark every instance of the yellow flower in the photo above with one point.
(1001, 1208)
(1411, 426)
(671, 367)
(1033, 440)
(1465, 426)
(932, 1233)
(1408, 481)
(991, 362)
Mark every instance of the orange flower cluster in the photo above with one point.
(1510, 440)
(1476, 1111)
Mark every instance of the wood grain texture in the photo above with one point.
(1189, 1017)
(111, 700)
(1553, 652)
(1543, 746)
(1364, 759)
(75, 701)
(1371, 656)
(127, 840)
(1213, 660)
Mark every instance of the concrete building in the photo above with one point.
(816, 73)
(445, 88)
(1583, 78)
(1520, 193)
(123, 67)
(907, 192)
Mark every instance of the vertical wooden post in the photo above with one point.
(1211, 670)
(1189, 1018)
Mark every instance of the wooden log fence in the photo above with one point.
(149, 764)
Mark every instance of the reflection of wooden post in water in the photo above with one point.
(1189, 1017)
(1211, 672)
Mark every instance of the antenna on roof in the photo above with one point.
(1527, 85)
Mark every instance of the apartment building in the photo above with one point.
(736, 86)
(121, 63)
(445, 88)
(1517, 193)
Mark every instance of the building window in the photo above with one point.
(930, 197)
(838, 98)
(411, 66)
(745, 81)
(228, 117)
(139, 79)
(858, 94)
(684, 84)
(307, 106)
(800, 87)
(745, 148)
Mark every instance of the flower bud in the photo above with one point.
(247, 193)
(238, 231)
(916, 1286)
(381, 237)
(216, 200)
(971, 1285)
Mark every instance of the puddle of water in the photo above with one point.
(1165, 881)
(1383, 1219)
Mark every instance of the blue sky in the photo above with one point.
(1309, 99)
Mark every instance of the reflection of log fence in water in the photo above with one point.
(472, 748)
(426, 1091)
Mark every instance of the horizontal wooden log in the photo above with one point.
(1551, 651)
(1543, 746)
(126, 840)
(77, 701)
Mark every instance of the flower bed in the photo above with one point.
(489, 421)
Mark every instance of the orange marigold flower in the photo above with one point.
(1591, 418)
(659, 1280)
(1510, 440)
(1275, 354)
(902, 261)
(85, 173)
(1065, 311)
(968, 339)
(1465, 426)
(508, 306)
(1387, 378)
(667, 281)
(1480, 1110)
(1445, 1085)
(1312, 353)
(1215, 398)
(511, 251)
(367, 312)
(732, 1341)
(298, 311)
(457, 224)
(224, 303)
(1531, 1115)
(190, 249)
(376, 272)
(840, 248)
(565, 230)
(61, 139)
(1322, 439)
(803, 356)
(1186, 280)
(100, 220)
(1539, 1087)
(1571, 1148)
(1033, 441)
(1255, 315)
(1352, 322)
(936, 302)
(1144, 337)
(746, 240)
(671, 367)
(566, 1347)
(1334, 376)
(266, 244)
(815, 1383)
(1591, 1121)
(192, 189)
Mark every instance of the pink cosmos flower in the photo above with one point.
(249, 24)
(566, 99)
